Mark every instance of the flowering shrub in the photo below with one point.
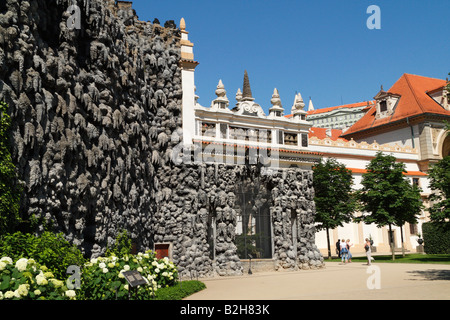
(25, 279)
(103, 279)
(48, 249)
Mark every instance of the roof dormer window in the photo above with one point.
(386, 102)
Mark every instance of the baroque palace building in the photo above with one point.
(406, 121)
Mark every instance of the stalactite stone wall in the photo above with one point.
(198, 213)
(92, 112)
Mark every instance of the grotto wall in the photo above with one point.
(196, 198)
(92, 110)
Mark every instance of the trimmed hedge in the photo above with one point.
(436, 238)
(180, 290)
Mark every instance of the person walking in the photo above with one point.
(349, 245)
(338, 248)
(368, 252)
(344, 251)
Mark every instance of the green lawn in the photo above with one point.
(409, 258)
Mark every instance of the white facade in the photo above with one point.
(356, 156)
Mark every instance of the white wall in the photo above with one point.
(402, 137)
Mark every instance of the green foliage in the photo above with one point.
(48, 249)
(122, 245)
(439, 175)
(103, 279)
(386, 195)
(245, 244)
(436, 238)
(10, 189)
(25, 279)
(334, 199)
(180, 291)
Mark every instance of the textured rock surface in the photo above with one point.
(92, 110)
(96, 115)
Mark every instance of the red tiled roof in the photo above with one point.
(408, 173)
(351, 105)
(321, 133)
(413, 101)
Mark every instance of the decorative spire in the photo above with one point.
(297, 109)
(220, 90)
(221, 101)
(276, 109)
(298, 102)
(247, 91)
(310, 106)
(238, 95)
(182, 24)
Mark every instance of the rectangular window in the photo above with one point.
(383, 106)
(413, 229)
(223, 130)
(208, 129)
(290, 139)
(304, 139)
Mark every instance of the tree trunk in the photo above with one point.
(403, 246)
(328, 243)
(391, 240)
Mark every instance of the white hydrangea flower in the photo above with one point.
(23, 289)
(9, 294)
(41, 280)
(21, 264)
(6, 260)
(70, 293)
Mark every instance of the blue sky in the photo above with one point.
(322, 49)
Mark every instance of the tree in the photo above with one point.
(10, 189)
(333, 196)
(387, 196)
(439, 175)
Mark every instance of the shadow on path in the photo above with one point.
(431, 274)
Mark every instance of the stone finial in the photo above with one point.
(297, 109)
(277, 108)
(276, 101)
(220, 90)
(247, 91)
(298, 102)
(238, 95)
(221, 102)
(182, 24)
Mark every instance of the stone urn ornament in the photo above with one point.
(420, 240)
